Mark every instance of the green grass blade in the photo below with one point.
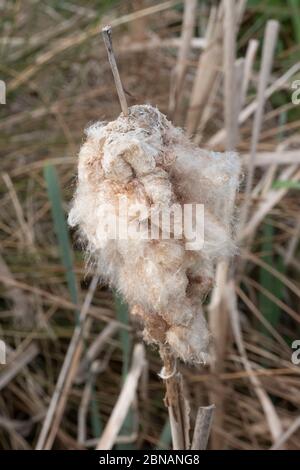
(295, 7)
(96, 421)
(287, 184)
(268, 308)
(61, 230)
(165, 439)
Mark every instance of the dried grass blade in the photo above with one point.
(124, 401)
(270, 40)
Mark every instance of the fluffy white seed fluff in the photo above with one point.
(146, 159)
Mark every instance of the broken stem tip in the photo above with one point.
(107, 38)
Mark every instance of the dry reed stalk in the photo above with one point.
(96, 367)
(158, 43)
(270, 40)
(249, 62)
(208, 111)
(176, 402)
(203, 424)
(286, 435)
(84, 407)
(19, 363)
(271, 34)
(218, 323)
(220, 136)
(240, 10)
(229, 25)
(177, 82)
(239, 73)
(278, 157)
(179, 409)
(274, 423)
(106, 33)
(264, 186)
(67, 374)
(96, 347)
(207, 71)
(218, 314)
(124, 401)
(269, 201)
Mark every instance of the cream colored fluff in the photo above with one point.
(145, 158)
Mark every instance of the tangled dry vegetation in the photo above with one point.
(71, 358)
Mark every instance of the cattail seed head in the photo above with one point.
(144, 159)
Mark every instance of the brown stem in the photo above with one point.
(176, 402)
(179, 409)
(106, 33)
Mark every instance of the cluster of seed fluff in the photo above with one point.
(145, 158)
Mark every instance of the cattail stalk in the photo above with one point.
(106, 33)
(141, 157)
